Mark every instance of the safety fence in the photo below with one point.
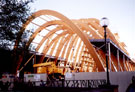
(21, 85)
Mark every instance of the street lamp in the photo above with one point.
(104, 23)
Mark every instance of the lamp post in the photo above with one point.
(104, 23)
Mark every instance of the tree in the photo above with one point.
(13, 13)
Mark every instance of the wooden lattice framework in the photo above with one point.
(69, 41)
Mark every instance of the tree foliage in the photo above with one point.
(13, 13)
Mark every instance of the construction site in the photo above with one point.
(73, 45)
(60, 46)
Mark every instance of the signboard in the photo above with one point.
(68, 75)
(35, 77)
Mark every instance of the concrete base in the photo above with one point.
(122, 79)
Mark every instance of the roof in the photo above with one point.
(100, 44)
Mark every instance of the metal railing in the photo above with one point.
(77, 83)
(61, 83)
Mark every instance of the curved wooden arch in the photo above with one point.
(49, 45)
(50, 23)
(62, 44)
(75, 29)
(84, 29)
(49, 34)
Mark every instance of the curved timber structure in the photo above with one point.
(76, 44)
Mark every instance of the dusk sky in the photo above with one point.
(121, 14)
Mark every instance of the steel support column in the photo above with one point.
(128, 65)
(110, 62)
(118, 60)
(124, 62)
